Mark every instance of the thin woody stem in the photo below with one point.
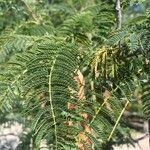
(118, 14)
(33, 16)
(115, 126)
(118, 18)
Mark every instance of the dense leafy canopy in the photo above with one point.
(68, 69)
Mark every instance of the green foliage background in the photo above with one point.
(42, 46)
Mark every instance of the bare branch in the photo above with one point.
(118, 14)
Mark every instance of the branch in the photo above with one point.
(4, 135)
(118, 14)
(118, 19)
(149, 130)
(117, 122)
(34, 17)
(140, 138)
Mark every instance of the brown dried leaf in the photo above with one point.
(107, 96)
(80, 80)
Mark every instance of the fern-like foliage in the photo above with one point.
(47, 86)
(12, 43)
(36, 29)
(50, 74)
(146, 99)
(73, 100)
(91, 23)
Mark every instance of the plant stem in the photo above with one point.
(149, 130)
(118, 14)
(51, 102)
(118, 18)
(118, 120)
(34, 17)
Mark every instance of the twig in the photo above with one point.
(139, 139)
(4, 135)
(34, 17)
(118, 14)
(149, 130)
(118, 18)
(118, 120)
